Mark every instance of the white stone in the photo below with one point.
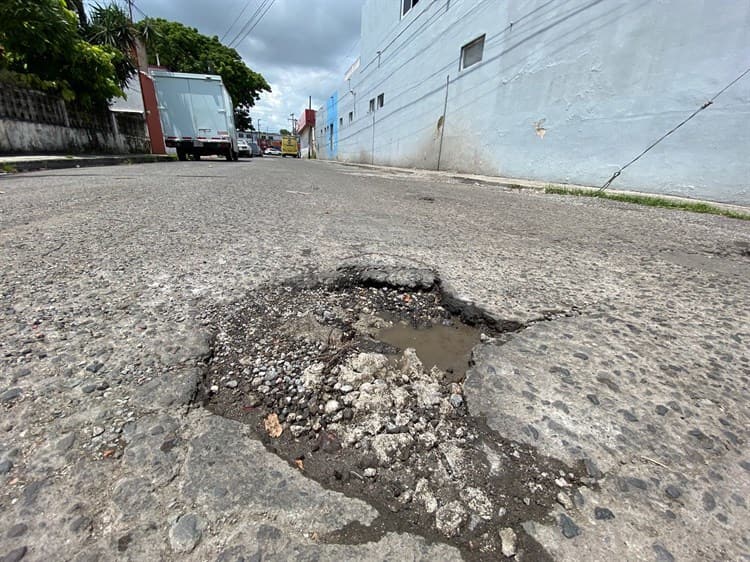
(332, 406)
(508, 542)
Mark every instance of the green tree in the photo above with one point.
(184, 49)
(242, 119)
(285, 132)
(41, 45)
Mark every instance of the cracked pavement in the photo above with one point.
(635, 357)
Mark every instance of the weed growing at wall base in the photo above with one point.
(694, 207)
(8, 169)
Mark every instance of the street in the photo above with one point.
(628, 362)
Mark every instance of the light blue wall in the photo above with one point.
(602, 78)
(328, 119)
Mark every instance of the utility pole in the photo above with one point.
(294, 124)
(130, 10)
(309, 131)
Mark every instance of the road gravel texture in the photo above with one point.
(631, 359)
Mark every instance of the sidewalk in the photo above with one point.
(537, 185)
(31, 162)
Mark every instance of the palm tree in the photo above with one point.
(110, 26)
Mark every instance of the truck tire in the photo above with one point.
(181, 155)
(196, 156)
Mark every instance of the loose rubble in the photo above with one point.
(308, 373)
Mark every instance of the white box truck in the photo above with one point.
(197, 114)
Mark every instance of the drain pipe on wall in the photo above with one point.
(442, 129)
(373, 139)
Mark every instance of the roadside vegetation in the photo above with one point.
(88, 57)
(650, 201)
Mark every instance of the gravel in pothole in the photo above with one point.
(303, 366)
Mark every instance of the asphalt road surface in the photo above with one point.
(634, 358)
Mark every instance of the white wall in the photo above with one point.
(602, 78)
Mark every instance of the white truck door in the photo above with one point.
(209, 114)
(175, 108)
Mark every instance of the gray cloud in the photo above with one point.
(301, 47)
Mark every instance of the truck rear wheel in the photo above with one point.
(181, 155)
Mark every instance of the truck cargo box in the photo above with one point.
(197, 114)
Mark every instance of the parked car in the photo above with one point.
(272, 151)
(255, 150)
(243, 148)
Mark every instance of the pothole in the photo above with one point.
(325, 373)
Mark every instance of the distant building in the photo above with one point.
(306, 133)
(266, 140)
(554, 91)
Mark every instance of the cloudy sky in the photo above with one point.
(301, 47)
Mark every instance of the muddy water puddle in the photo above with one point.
(445, 346)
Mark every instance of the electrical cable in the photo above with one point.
(248, 23)
(705, 105)
(255, 24)
(238, 18)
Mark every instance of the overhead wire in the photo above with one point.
(238, 18)
(253, 22)
(248, 23)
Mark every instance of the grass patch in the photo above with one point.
(650, 201)
(9, 168)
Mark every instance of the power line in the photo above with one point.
(705, 105)
(238, 18)
(267, 6)
(137, 9)
(248, 22)
(249, 31)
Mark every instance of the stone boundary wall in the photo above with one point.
(36, 122)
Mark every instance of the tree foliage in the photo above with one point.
(184, 49)
(80, 10)
(111, 27)
(242, 119)
(40, 43)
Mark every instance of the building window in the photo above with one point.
(381, 100)
(407, 5)
(341, 122)
(372, 105)
(471, 53)
(351, 116)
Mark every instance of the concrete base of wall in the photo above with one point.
(34, 163)
(17, 137)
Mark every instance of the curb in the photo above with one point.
(58, 163)
(536, 185)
